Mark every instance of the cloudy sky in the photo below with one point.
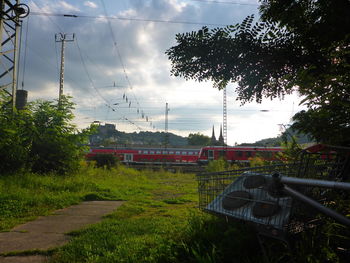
(117, 71)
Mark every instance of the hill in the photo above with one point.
(108, 135)
(286, 135)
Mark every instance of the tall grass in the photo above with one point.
(159, 222)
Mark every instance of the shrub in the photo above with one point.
(217, 165)
(41, 138)
(104, 160)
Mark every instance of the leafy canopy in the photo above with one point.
(299, 46)
(40, 138)
(198, 139)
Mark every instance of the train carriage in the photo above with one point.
(237, 153)
(149, 155)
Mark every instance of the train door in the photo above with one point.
(128, 157)
(210, 155)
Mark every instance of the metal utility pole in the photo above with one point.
(166, 138)
(63, 38)
(10, 24)
(224, 117)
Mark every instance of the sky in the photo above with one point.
(117, 71)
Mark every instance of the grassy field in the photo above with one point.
(160, 221)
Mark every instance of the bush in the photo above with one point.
(14, 140)
(41, 138)
(104, 160)
(217, 165)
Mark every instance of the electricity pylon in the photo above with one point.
(224, 117)
(166, 135)
(10, 23)
(63, 38)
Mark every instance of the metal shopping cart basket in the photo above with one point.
(282, 198)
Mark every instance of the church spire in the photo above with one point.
(221, 138)
(213, 138)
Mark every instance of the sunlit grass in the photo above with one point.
(159, 222)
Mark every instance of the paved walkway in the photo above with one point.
(50, 231)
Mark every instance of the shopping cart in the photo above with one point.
(282, 198)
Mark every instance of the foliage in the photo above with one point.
(104, 160)
(56, 143)
(236, 242)
(138, 138)
(217, 165)
(257, 161)
(198, 139)
(220, 165)
(149, 228)
(15, 139)
(291, 150)
(41, 137)
(298, 45)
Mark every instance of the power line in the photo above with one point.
(128, 19)
(224, 2)
(85, 68)
(121, 60)
(97, 91)
(53, 22)
(88, 74)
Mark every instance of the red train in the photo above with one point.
(190, 156)
(237, 153)
(149, 155)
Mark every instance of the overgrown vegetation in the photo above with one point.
(159, 223)
(40, 138)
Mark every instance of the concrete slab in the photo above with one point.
(24, 259)
(50, 231)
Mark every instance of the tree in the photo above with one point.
(198, 139)
(301, 46)
(14, 140)
(57, 145)
(41, 138)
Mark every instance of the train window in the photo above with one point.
(140, 151)
(211, 155)
(151, 152)
(158, 152)
(165, 152)
(248, 154)
(145, 152)
(177, 152)
(171, 152)
(184, 153)
(240, 154)
(221, 153)
(190, 153)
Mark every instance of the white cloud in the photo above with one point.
(67, 7)
(194, 107)
(90, 4)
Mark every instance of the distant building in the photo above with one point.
(213, 138)
(106, 129)
(221, 138)
(103, 132)
(214, 141)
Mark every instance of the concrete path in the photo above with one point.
(50, 231)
